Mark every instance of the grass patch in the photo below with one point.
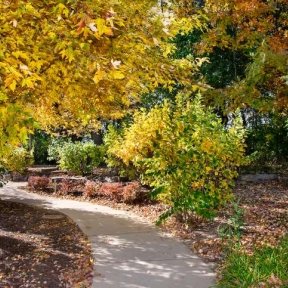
(267, 267)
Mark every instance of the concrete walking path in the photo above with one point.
(128, 251)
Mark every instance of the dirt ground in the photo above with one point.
(42, 248)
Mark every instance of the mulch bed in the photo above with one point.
(42, 248)
(265, 207)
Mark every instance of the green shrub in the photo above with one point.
(2, 169)
(40, 141)
(17, 160)
(54, 148)
(267, 143)
(233, 227)
(80, 158)
(183, 151)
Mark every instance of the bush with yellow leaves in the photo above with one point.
(184, 152)
(17, 160)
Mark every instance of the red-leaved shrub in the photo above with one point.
(67, 186)
(38, 182)
(127, 193)
(91, 189)
(112, 190)
(132, 192)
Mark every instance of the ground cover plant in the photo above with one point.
(266, 267)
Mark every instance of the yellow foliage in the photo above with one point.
(15, 124)
(146, 129)
(58, 59)
(184, 152)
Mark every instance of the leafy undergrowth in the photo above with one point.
(266, 267)
(264, 222)
(42, 248)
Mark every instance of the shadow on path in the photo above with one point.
(128, 252)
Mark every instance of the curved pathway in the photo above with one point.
(128, 251)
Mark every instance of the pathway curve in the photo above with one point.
(128, 251)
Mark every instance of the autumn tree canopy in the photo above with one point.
(71, 63)
(246, 42)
